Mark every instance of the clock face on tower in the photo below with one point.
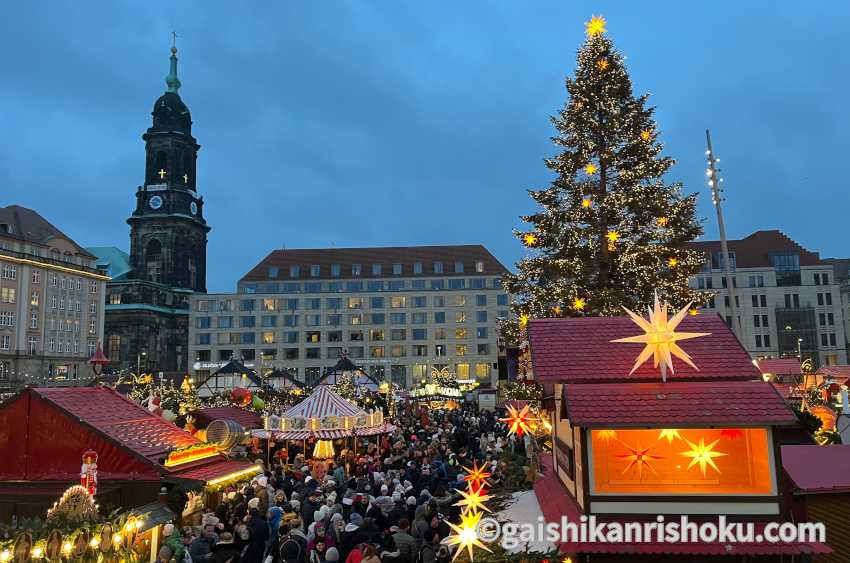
(155, 202)
(193, 207)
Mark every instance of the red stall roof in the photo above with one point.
(579, 350)
(818, 469)
(780, 366)
(688, 403)
(52, 427)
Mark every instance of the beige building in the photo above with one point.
(788, 299)
(398, 312)
(51, 303)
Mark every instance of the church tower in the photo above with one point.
(168, 233)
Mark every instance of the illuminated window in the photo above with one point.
(460, 316)
(314, 336)
(479, 267)
(376, 352)
(270, 304)
(462, 371)
(398, 351)
(355, 302)
(460, 334)
(460, 350)
(376, 335)
(356, 319)
(460, 300)
(268, 338)
(716, 461)
(398, 302)
(482, 371)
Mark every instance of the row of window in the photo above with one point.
(374, 335)
(356, 270)
(338, 303)
(370, 285)
(358, 352)
(357, 319)
(762, 341)
(827, 337)
(59, 303)
(9, 272)
(707, 282)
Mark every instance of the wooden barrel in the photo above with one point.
(225, 433)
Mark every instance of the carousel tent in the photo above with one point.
(361, 380)
(326, 416)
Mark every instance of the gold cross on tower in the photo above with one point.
(185, 178)
(162, 174)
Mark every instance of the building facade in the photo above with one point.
(147, 307)
(398, 312)
(51, 303)
(788, 300)
(841, 269)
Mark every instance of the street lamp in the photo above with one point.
(139, 362)
(800, 349)
(98, 360)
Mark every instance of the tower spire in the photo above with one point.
(171, 80)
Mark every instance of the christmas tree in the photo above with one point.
(610, 231)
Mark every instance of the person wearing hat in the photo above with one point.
(224, 550)
(332, 555)
(351, 536)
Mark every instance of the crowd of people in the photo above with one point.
(385, 503)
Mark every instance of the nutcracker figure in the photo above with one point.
(88, 473)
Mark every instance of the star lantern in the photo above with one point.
(640, 458)
(529, 239)
(693, 311)
(595, 26)
(556, 310)
(519, 421)
(602, 64)
(660, 338)
(662, 221)
(473, 500)
(590, 169)
(466, 534)
(579, 304)
(613, 236)
(673, 262)
(702, 454)
(476, 476)
(586, 202)
(646, 134)
(670, 434)
(523, 319)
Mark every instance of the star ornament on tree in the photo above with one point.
(529, 239)
(518, 421)
(579, 304)
(602, 64)
(702, 454)
(466, 534)
(590, 169)
(595, 26)
(660, 338)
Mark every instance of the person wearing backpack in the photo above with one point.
(428, 551)
(290, 550)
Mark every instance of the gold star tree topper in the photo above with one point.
(660, 338)
(595, 26)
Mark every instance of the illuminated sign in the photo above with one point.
(190, 454)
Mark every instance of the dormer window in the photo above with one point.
(315, 270)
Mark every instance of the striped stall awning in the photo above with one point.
(324, 434)
(323, 402)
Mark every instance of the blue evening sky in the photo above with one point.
(370, 123)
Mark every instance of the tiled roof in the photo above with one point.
(366, 257)
(26, 224)
(752, 251)
(838, 372)
(578, 350)
(683, 403)
(780, 366)
(120, 419)
(818, 469)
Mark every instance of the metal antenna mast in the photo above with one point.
(716, 198)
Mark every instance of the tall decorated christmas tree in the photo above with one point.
(610, 231)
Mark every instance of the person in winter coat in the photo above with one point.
(428, 551)
(404, 542)
(224, 550)
(201, 548)
(174, 541)
(351, 537)
(256, 549)
(291, 550)
(370, 554)
(421, 523)
(317, 554)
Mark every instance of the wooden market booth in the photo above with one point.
(141, 457)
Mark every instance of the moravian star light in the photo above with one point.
(660, 338)
(466, 534)
(702, 454)
(519, 421)
(473, 500)
(476, 476)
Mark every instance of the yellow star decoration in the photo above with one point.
(473, 500)
(669, 434)
(672, 262)
(476, 476)
(519, 421)
(595, 26)
(579, 304)
(660, 338)
(646, 134)
(586, 202)
(693, 312)
(602, 64)
(639, 457)
(529, 239)
(613, 236)
(523, 319)
(607, 435)
(466, 534)
(590, 169)
(662, 221)
(556, 310)
(702, 454)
